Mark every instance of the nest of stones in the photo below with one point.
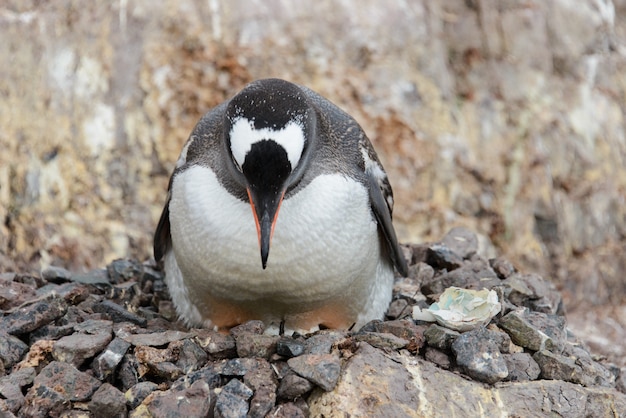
(107, 342)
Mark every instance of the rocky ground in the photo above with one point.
(107, 343)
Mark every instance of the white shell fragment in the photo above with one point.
(461, 309)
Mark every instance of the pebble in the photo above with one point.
(123, 270)
(93, 277)
(118, 314)
(33, 316)
(57, 384)
(232, 401)
(11, 388)
(136, 394)
(195, 401)
(535, 330)
(440, 358)
(55, 274)
(107, 401)
(443, 258)
(521, 367)
(461, 241)
(579, 370)
(321, 369)
(105, 364)
(478, 356)
(250, 327)
(190, 356)
(12, 349)
(287, 410)
(78, 347)
(440, 337)
(217, 346)
(381, 340)
(255, 345)
(401, 328)
(322, 341)
(156, 339)
(503, 267)
(531, 291)
(289, 347)
(293, 386)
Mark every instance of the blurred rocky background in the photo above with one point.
(507, 117)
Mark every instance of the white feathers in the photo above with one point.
(243, 134)
(325, 247)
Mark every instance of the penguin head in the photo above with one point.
(270, 127)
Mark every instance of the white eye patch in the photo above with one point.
(243, 135)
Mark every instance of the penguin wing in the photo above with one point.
(162, 238)
(381, 200)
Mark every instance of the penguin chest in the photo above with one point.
(325, 241)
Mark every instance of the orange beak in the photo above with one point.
(265, 207)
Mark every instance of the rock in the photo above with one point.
(11, 388)
(50, 332)
(56, 274)
(195, 401)
(478, 356)
(521, 367)
(437, 357)
(107, 401)
(78, 347)
(136, 394)
(399, 308)
(461, 241)
(156, 339)
(534, 330)
(92, 277)
(57, 384)
(262, 401)
(293, 386)
(262, 381)
(322, 341)
(572, 369)
(118, 313)
(191, 356)
(533, 292)
(123, 270)
(33, 316)
(12, 349)
(217, 345)
(159, 363)
(289, 347)
(128, 371)
(110, 358)
(440, 337)
(208, 374)
(382, 340)
(250, 327)
(378, 384)
(287, 410)
(232, 401)
(441, 257)
(401, 328)
(503, 267)
(321, 369)
(254, 345)
(237, 366)
(14, 294)
(472, 274)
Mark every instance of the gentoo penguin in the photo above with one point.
(278, 210)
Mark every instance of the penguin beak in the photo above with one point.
(265, 207)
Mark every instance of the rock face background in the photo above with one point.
(505, 117)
